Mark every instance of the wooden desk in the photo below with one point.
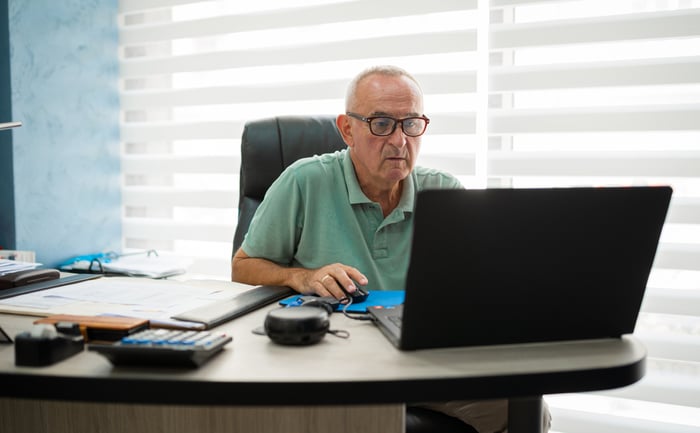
(338, 385)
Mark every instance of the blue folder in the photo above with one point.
(383, 298)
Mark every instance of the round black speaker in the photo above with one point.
(297, 325)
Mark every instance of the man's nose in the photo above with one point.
(398, 138)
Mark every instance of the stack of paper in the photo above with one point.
(9, 266)
(147, 266)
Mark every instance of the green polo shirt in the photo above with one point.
(315, 214)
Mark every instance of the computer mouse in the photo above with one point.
(359, 295)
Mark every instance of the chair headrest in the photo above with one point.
(270, 145)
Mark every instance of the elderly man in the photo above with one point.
(338, 220)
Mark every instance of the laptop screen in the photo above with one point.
(521, 265)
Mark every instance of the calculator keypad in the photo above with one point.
(163, 347)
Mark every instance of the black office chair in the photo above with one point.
(269, 146)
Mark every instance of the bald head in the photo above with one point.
(386, 70)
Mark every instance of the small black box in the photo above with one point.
(36, 351)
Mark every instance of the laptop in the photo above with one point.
(507, 266)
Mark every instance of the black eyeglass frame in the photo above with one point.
(369, 120)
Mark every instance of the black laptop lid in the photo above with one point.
(502, 266)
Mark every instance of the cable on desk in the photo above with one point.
(353, 314)
(340, 333)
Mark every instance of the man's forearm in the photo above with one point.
(333, 279)
(257, 271)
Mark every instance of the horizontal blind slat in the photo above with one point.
(684, 70)
(206, 198)
(160, 164)
(210, 266)
(575, 421)
(403, 45)
(623, 118)
(132, 6)
(232, 94)
(668, 346)
(457, 164)
(287, 17)
(671, 301)
(655, 25)
(678, 256)
(164, 229)
(452, 123)
(653, 164)
(438, 83)
(661, 387)
(507, 3)
(684, 210)
(137, 132)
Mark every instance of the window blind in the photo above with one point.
(194, 72)
(520, 93)
(608, 93)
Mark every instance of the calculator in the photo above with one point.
(164, 347)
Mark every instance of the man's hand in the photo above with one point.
(324, 281)
(328, 280)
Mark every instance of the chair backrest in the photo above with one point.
(268, 146)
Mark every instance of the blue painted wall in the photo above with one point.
(64, 75)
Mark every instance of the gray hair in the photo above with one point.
(389, 70)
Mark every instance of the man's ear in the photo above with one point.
(343, 124)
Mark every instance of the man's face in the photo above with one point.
(383, 161)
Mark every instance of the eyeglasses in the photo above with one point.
(383, 126)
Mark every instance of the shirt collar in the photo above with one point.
(356, 196)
